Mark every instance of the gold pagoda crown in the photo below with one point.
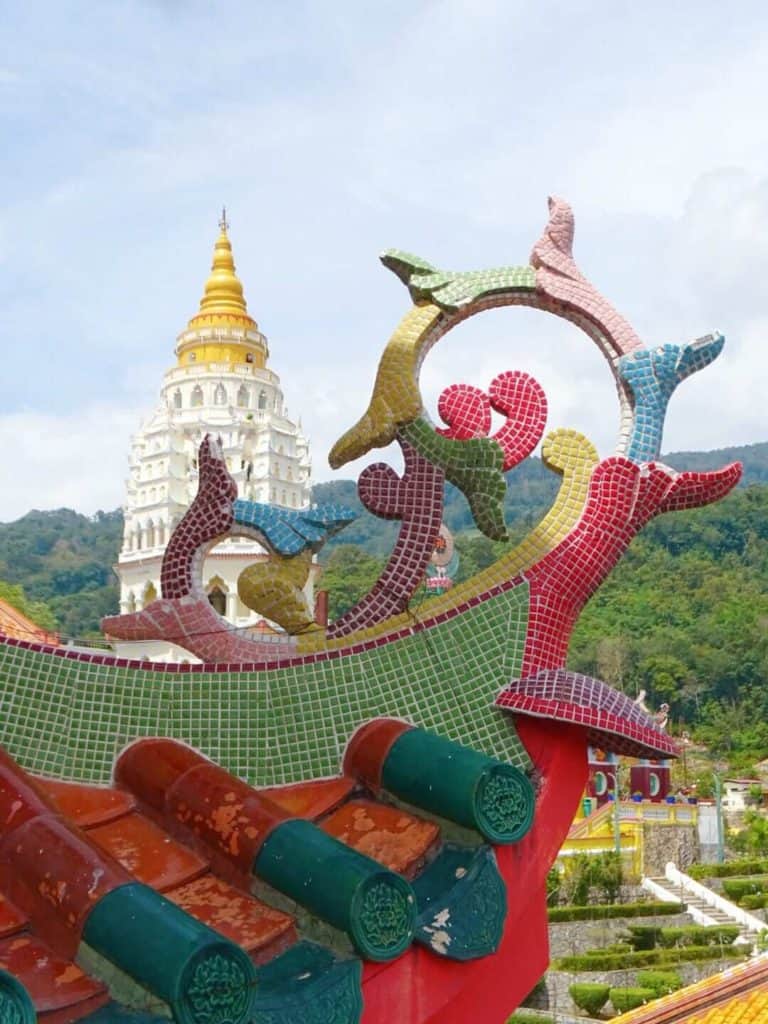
(223, 302)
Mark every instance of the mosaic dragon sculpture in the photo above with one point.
(388, 791)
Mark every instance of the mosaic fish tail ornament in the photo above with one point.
(652, 375)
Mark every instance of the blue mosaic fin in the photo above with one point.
(462, 902)
(653, 374)
(290, 532)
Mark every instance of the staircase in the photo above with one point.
(705, 906)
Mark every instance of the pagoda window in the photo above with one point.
(130, 604)
(243, 397)
(150, 594)
(192, 357)
(282, 498)
(217, 595)
(161, 534)
(197, 396)
(220, 395)
(150, 534)
(289, 474)
(293, 500)
(177, 399)
(249, 357)
(262, 399)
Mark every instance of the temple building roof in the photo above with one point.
(738, 995)
(15, 624)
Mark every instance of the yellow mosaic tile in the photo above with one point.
(274, 590)
(396, 398)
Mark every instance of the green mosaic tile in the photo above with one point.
(451, 289)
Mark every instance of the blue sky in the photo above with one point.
(335, 130)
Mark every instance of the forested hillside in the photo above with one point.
(684, 616)
(65, 560)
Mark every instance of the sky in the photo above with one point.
(335, 130)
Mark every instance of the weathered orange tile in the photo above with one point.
(393, 837)
(312, 799)
(86, 805)
(11, 919)
(261, 930)
(52, 982)
(147, 852)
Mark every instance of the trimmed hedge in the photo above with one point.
(737, 888)
(729, 870)
(624, 999)
(662, 982)
(521, 1017)
(648, 936)
(699, 935)
(601, 911)
(754, 902)
(646, 958)
(589, 996)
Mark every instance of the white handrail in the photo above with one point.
(698, 916)
(747, 920)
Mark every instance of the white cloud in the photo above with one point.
(332, 133)
(79, 460)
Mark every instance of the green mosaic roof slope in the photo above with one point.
(68, 719)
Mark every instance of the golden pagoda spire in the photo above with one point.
(223, 302)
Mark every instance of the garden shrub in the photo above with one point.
(754, 901)
(589, 996)
(623, 999)
(731, 869)
(592, 875)
(737, 888)
(698, 935)
(602, 911)
(661, 982)
(521, 1017)
(644, 936)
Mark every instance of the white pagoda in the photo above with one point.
(220, 385)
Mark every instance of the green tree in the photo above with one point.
(348, 574)
(753, 838)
